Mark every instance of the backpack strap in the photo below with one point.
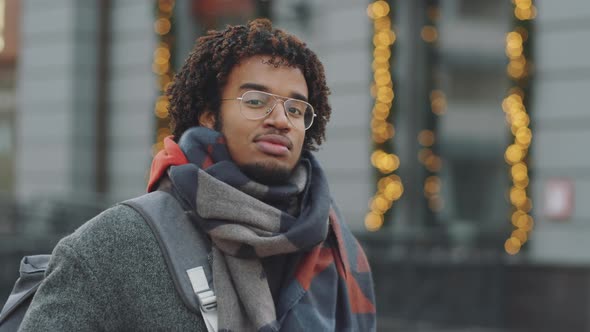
(185, 249)
(32, 271)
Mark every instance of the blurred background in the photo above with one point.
(455, 149)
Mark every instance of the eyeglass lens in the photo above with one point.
(256, 105)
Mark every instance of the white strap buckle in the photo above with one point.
(205, 295)
(208, 300)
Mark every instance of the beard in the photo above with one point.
(267, 173)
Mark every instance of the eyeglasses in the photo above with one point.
(256, 105)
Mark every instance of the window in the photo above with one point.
(476, 84)
(481, 9)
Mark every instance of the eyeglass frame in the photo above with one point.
(271, 109)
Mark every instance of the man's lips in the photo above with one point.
(273, 144)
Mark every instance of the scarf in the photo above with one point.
(331, 288)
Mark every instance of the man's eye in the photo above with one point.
(254, 102)
(294, 111)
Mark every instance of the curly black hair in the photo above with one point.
(197, 86)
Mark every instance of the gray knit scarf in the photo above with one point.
(246, 221)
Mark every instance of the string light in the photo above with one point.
(429, 34)
(2, 24)
(389, 186)
(426, 156)
(438, 104)
(518, 120)
(162, 67)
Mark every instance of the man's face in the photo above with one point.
(266, 149)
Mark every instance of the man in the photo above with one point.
(248, 106)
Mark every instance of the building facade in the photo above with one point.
(105, 146)
(9, 51)
(85, 97)
(561, 132)
(82, 118)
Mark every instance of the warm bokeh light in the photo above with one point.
(162, 67)
(518, 121)
(157, 147)
(162, 53)
(161, 109)
(514, 154)
(385, 37)
(527, 206)
(522, 184)
(384, 162)
(373, 221)
(426, 138)
(516, 69)
(519, 171)
(393, 191)
(163, 81)
(389, 187)
(524, 137)
(162, 26)
(433, 163)
(429, 33)
(431, 186)
(524, 222)
(514, 40)
(163, 133)
(438, 102)
(382, 76)
(518, 196)
(165, 6)
(382, 23)
(384, 182)
(380, 204)
(378, 9)
(523, 3)
(512, 246)
(516, 215)
(525, 13)
(385, 94)
(382, 51)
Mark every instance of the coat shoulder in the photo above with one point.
(116, 228)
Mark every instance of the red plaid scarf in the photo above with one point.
(332, 287)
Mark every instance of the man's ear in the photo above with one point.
(207, 119)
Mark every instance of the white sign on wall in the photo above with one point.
(559, 199)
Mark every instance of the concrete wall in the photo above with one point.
(561, 127)
(57, 98)
(339, 31)
(7, 141)
(54, 97)
(473, 133)
(132, 96)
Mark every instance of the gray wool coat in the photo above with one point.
(109, 275)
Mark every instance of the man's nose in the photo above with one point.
(278, 117)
